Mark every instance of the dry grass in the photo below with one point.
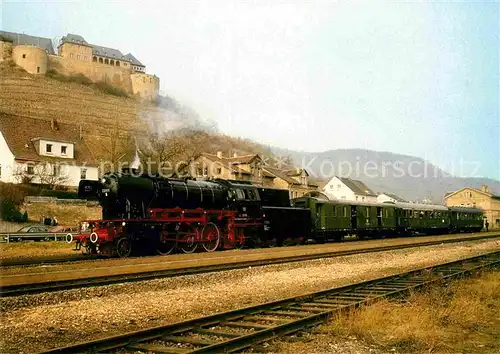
(461, 317)
(66, 214)
(16, 250)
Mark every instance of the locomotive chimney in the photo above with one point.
(219, 154)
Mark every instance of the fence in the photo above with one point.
(32, 236)
(42, 199)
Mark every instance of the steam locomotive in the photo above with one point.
(143, 213)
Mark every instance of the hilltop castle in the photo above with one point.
(76, 56)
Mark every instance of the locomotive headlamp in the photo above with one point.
(124, 223)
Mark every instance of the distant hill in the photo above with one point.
(407, 176)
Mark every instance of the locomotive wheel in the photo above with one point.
(211, 237)
(166, 245)
(189, 239)
(123, 247)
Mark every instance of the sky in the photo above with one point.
(418, 78)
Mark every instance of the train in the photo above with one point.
(150, 213)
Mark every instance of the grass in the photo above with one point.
(31, 249)
(462, 317)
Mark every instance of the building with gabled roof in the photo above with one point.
(390, 198)
(25, 39)
(482, 198)
(38, 151)
(343, 188)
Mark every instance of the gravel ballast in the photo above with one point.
(39, 322)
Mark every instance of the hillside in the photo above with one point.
(407, 176)
(107, 122)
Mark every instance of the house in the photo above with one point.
(390, 198)
(343, 188)
(43, 152)
(241, 168)
(296, 181)
(482, 198)
(252, 168)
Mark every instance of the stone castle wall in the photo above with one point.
(78, 60)
(31, 59)
(114, 75)
(145, 85)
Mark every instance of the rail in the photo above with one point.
(32, 236)
(8, 290)
(242, 328)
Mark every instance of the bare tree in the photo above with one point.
(44, 173)
(172, 153)
(117, 147)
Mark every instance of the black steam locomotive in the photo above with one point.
(139, 211)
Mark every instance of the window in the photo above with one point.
(94, 59)
(78, 57)
(56, 169)
(37, 69)
(48, 148)
(24, 56)
(357, 197)
(30, 170)
(205, 171)
(200, 172)
(219, 170)
(71, 55)
(0, 170)
(63, 150)
(83, 173)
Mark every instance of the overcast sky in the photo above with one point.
(406, 77)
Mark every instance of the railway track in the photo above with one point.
(239, 329)
(82, 257)
(57, 285)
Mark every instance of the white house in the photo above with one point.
(391, 198)
(343, 188)
(46, 152)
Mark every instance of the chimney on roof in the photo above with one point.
(219, 154)
(485, 189)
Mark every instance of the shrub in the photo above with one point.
(9, 211)
(110, 89)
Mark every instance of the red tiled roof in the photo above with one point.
(20, 134)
